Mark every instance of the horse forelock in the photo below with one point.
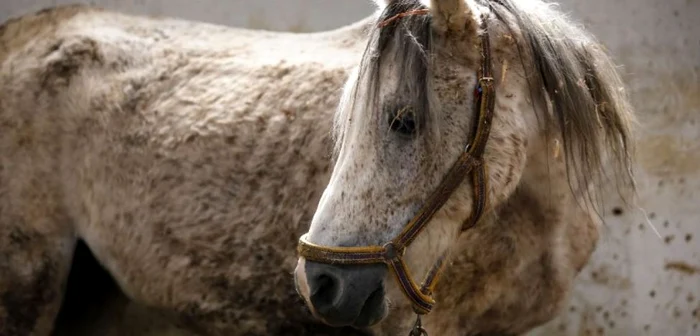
(405, 43)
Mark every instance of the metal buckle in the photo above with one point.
(485, 80)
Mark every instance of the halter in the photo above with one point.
(471, 162)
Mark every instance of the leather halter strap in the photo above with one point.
(470, 162)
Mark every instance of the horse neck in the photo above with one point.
(540, 236)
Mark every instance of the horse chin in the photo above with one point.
(364, 323)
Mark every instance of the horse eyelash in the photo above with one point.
(399, 114)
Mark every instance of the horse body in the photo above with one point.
(187, 156)
(190, 157)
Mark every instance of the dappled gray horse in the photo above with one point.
(190, 158)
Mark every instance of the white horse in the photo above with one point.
(190, 158)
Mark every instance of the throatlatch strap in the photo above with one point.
(486, 100)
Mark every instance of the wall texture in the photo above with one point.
(638, 283)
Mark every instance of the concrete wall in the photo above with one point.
(638, 283)
(295, 15)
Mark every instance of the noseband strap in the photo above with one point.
(471, 161)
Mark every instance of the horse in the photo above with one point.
(189, 158)
(471, 144)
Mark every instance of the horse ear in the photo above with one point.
(452, 16)
(382, 3)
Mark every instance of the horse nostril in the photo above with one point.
(324, 282)
(325, 290)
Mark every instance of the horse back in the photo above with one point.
(61, 68)
(161, 140)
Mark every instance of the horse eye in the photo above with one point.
(403, 122)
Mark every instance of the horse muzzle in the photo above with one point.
(343, 295)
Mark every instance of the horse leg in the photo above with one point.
(34, 263)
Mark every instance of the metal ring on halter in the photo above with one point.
(391, 252)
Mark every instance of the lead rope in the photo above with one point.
(418, 328)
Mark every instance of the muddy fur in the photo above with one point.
(190, 157)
